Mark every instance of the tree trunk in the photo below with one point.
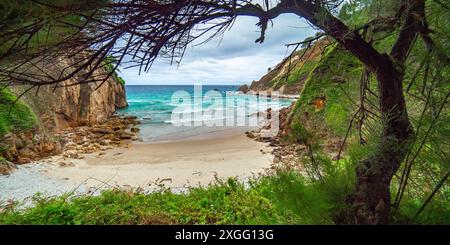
(371, 199)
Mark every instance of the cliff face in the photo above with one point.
(52, 110)
(77, 105)
(323, 110)
(289, 76)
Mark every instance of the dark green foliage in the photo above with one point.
(432, 215)
(298, 69)
(427, 162)
(109, 64)
(358, 13)
(283, 198)
(32, 26)
(14, 116)
(299, 134)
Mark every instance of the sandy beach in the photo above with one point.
(176, 165)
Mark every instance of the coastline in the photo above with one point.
(112, 155)
(144, 166)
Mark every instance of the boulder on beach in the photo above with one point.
(102, 130)
(6, 167)
(135, 130)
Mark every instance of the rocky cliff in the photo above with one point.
(29, 134)
(289, 76)
(323, 110)
(83, 104)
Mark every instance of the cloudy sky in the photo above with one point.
(237, 59)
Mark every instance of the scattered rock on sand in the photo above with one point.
(250, 134)
(125, 135)
(6, 167)
(27, 147)
(135, 130)
(102, 130)
(71, 154)
(66, 164)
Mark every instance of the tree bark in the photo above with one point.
(371, 198)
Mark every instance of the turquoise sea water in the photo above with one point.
(169, 112)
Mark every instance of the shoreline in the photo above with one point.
(108, 156)
(144, 166)
(269, 94)
(221, 133)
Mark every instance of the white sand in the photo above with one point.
(175, 164)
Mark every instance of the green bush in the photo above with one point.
(109, 64)
(282, 198)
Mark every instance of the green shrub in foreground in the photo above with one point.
(283, 198)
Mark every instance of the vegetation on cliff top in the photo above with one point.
(47, 32)
(292, 72)
(110, 63)
(34, 30)
(40, 29)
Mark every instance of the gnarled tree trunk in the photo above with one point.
(371, 199)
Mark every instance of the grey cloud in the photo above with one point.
(235, 59)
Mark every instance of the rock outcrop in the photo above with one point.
(78, 105)
(289, 75)
(25, 147)
(321, 114)
(60, 109)
(244, 88)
